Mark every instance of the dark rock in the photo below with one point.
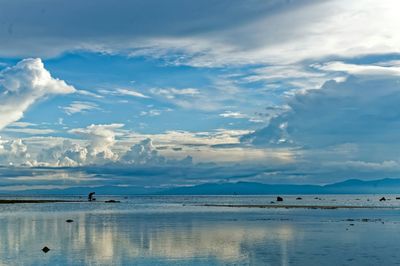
(351, 224)
(279, 199)
(398, 198)
(299, 198)
(112, 201)
(69, 221)
(45, 249)
(382, 199)
(272, 202)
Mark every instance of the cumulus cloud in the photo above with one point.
(361, 113)
(100, 149)
(66, 154)
(13, 152)
(95, 148)
(101, 139)
(143, 153)
(24, 84)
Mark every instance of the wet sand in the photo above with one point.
(287, 206)
(14, 201)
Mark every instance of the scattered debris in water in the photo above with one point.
(363, 220)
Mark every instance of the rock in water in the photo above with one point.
(382, 199)
(112, 201)
(69, 221)
(45, 249)
(299, 198)
(279, 199)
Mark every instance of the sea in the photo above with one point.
(182, 230)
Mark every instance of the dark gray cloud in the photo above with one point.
(45, 27)
(354, 120)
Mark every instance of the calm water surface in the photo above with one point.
(179, 231)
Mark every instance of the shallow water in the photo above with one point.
(177, 230)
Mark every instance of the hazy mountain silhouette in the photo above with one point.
(351, 186)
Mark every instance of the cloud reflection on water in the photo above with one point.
(123, 238)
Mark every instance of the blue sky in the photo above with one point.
(171, 93)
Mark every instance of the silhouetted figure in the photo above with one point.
(90, 197)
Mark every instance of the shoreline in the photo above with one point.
(287, 206)
(15, 201)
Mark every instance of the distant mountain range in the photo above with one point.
(351, 186)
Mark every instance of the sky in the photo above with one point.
(158, 94)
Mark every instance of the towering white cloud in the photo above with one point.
(143, 153)
(24, 84)
(95, 147)
(101, 139)
(13, 152)
(66, 154)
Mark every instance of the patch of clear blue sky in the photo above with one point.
(94, 71)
